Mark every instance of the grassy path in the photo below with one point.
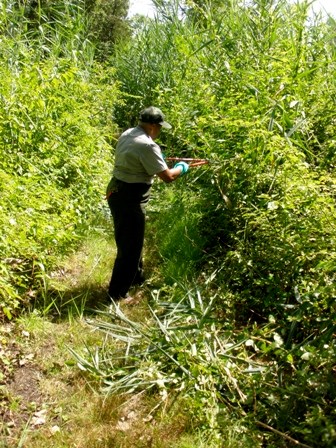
(45, 400)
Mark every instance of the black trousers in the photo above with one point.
(127, 203)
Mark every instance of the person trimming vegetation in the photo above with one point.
(137, 160)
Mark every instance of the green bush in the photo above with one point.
(56, 126)
(251, 88)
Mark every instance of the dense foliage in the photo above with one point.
(103, 21)
(55, 124)
(243, 328)
(251, 88)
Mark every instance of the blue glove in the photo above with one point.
(183, 165)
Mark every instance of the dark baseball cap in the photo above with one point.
(154, 115)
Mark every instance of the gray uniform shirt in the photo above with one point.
(137, 157)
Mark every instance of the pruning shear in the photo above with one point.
(192, 162)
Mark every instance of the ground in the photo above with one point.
(45, 399)
(21, 397)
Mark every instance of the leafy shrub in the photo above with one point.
(250, 89)
(56, 124)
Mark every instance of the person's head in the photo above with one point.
(152, 120)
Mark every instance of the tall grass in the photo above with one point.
(56, 124)
(250, 88)
(246, 246)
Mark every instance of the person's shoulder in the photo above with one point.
(141, 137)
(130, 137)
(134, 133)
(127, 132)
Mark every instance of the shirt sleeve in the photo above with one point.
(152, 160)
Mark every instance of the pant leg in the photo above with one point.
(129, 228)
(139, 278)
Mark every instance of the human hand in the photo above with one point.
(183, 165)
